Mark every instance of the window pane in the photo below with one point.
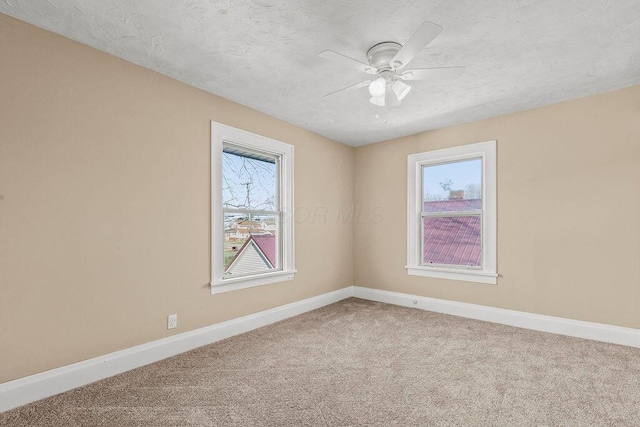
(249, 181)
(250, 244)
(455, 186)
(452, 240)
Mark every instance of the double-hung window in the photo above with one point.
(451, 218)
(252, 209)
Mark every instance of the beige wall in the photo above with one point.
(104, 207)
(104, 214)
(568, 211)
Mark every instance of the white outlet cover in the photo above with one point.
(172, 321)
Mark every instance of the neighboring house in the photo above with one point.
(268, 225)
(453, 240)
(245, 223)
(257, 254)
(237, 233)
(243, 229)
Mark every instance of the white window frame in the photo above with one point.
(223, 134)
(415, 162)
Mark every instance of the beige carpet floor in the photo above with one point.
(358, 363)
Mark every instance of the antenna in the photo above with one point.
(247, 200)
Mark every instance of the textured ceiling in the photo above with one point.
(263, 53)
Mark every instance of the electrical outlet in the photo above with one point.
(172, 321)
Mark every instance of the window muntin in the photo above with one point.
(451, 213)
(451, 225)
(252, 228)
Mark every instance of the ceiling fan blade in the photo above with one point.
(350, 88)
(422, 37)
(350, 62)
(432, 73)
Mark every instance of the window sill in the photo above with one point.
(234, 284)
(453, 274)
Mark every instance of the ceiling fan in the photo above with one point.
(387, 60)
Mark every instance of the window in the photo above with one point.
(252, 210)
(451, 219)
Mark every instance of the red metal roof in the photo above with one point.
(452, 240)
(267, 244)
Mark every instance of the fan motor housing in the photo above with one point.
(381, 54)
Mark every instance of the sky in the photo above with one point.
(248, 183)
(251, 183)
(460, 173)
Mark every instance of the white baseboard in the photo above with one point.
(35, 387)
(537, 322)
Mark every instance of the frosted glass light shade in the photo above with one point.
(377, 100)
(378, 87)
(400, 89)
(391, 100)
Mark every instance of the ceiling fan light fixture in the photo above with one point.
(400, 89)
(391, 100)
(377, 100)
(377, 88)
(387, 60)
